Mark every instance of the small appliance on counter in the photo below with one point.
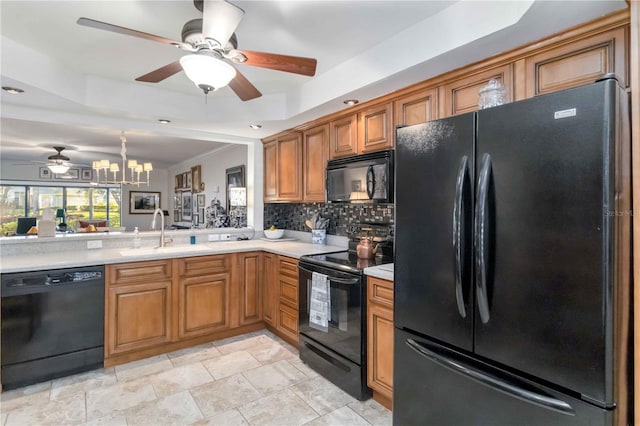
(332, 310)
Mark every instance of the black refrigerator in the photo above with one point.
(512, 264)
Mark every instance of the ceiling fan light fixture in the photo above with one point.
(206, 72)
(58, 168)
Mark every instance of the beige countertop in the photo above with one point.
(75, 258)
(384, 272)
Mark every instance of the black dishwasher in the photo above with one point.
(52, 324)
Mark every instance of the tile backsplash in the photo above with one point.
(342, 215)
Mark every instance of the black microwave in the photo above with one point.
(361, 178)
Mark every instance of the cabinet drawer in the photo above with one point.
(137, 272)
(380, 291)
(289, 291)
(203, 265)
(288, 321)
(288, 267)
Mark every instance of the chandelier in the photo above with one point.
(110, 173)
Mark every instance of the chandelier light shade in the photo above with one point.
(104, 167)
(58, 168)
(206, 72)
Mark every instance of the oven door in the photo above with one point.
(345, 334)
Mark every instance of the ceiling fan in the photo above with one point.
(213, 45)
(57, 163)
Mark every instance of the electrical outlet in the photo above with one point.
(94, 244)
(213, 237)
(225, 237)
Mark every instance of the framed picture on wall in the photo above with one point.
(201, 214)
(235, 179)
(196, 178)
(45, 173)
(177, 216)
(200, 200)
(86, 174)
(143, 202)
(187, 206)
(178, 182)
(71, 174)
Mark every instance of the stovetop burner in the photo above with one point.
(345, 260)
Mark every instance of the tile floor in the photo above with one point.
(253, 379)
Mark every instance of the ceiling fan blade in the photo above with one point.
(126, 31)
(161, 73)
(292, 64)
(243, 87)
(219, 20)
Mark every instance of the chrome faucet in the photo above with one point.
(163, 242)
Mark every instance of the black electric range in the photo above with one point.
(346, 261)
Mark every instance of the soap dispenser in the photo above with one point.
(137, 242)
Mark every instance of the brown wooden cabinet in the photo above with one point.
(138, 306)
(376, 131)
(270, 171)
(250, 278)
(315, 153)
(343, 136)
(380, 339)
(203, 295)
(283, 167)
(416, 108)
(462, 95)
(578, 63)
(287, 316)
(270, 288)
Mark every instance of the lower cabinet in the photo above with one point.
(138, 306)
(270, 288)
(380, 339)
(160, 306)
(281, 296)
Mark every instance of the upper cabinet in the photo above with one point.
(578, 63)
(376, 128)
(462, 95)
(416, 108)
(283, 168)
(315, 153)
(343, 138)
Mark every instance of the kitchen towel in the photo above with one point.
(320, 302)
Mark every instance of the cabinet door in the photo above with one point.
(462, 95)
(376, 128)
(343, 137)
(270, 286)
(203, 305)
(250, 274)
(315, 153)
(289, 167)
(270, 171)
(416, 108)
(138, 316)
(380, 339)
(577, 63)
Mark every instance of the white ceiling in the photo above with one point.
(80, 89)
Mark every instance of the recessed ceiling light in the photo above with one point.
(351, 102)
(164, 121)
(12, 90)
(256, 126)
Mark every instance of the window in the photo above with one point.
(80, 203)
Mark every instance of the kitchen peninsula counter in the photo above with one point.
(74, 257)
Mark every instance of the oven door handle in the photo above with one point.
(348, 281)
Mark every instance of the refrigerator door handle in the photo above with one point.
(458, 234)
(510, 387)
(482, 237)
